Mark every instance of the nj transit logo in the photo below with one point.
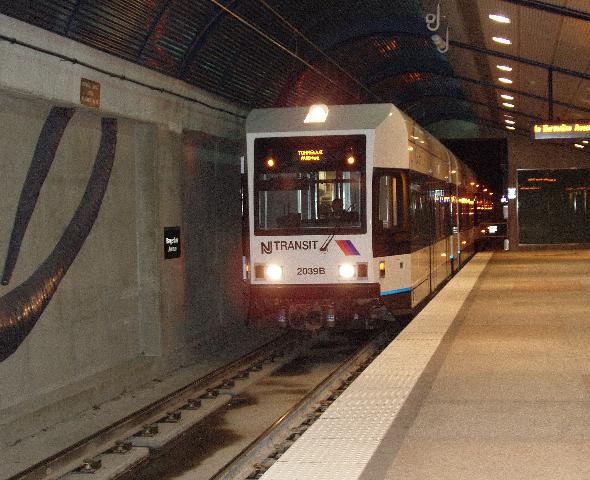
(347, 247)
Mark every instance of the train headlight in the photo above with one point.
(346, 270)
(274, 272)
(317, 114)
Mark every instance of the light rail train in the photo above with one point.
(354, 213)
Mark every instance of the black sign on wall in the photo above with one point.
(171, 242)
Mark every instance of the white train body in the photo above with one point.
(407, 222)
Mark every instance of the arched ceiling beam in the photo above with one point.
(155, 21)
(485, 84)
(547, 7)
(407, 107)
(72, 17)
(515, 58)
(413, 26)
(394, 71)
(200, 37)
(406, 60)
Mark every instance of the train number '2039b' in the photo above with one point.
(311, 271)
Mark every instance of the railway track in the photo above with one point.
(254, 460)
(112, 450)
(231, 424)
(252, 429)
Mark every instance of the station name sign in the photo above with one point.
(561, 130)
(171, 242)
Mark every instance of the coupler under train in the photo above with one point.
(317, 307)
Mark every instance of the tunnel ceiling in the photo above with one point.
(263, 53)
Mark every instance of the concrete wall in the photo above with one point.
(528, 154)
(213, 233)
(122, 314)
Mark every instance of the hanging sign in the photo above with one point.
(580, 129)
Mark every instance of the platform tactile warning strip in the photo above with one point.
(342, 442)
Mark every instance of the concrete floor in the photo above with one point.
(512, 397)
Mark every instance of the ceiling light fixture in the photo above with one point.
(510, 122)
(504, 68)
(508, 105)
(502, 40)
(507, 97)
(498, 18)
(504, 80)
(577, 145)
(585, 141)
(510, 127)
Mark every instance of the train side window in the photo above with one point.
(391, 194)
(390, 212)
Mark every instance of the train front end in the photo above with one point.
(309, 262)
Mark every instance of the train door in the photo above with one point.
(391, 237)
(421, 236)
(432, 250)
(440, 246)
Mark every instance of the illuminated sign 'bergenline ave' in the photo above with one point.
(562, 130)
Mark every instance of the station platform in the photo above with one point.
(491, 380)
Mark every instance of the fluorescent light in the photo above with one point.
(504, 68)
(510, 128)
(585, 141)
(507, 97)
(502, 40)
(504, 80)
(510, 122)
(499, 18)
(577, 145)
(508, 105)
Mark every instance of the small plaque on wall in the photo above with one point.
(171, 242)
(89, 93)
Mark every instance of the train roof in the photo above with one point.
(347, 118)
(340, 117)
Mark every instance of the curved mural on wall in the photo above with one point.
(49, 139)
(21, 308)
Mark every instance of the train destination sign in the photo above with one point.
(311, 155)
(561, 130)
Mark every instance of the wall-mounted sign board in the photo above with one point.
(171, 242)
(546, 131)
(89, 93)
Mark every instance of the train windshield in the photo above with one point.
(309, 185)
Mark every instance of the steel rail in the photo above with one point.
(121, 429)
